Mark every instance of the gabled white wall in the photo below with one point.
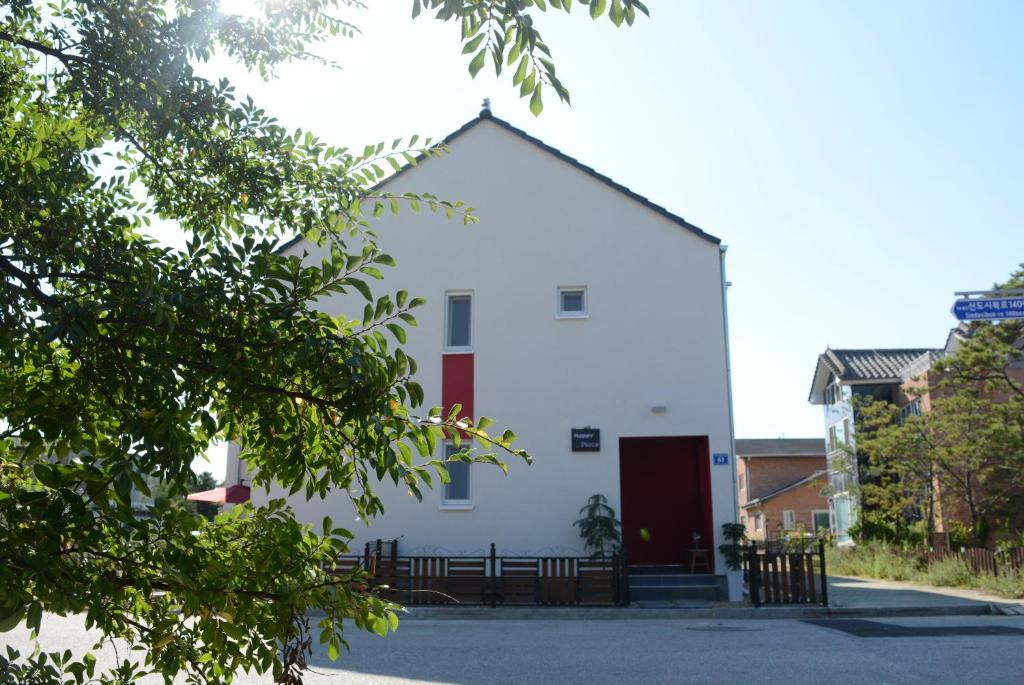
(654, 337)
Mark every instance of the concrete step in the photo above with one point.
(677, 604)
(656, 569)
(687, 593)
(672, 579)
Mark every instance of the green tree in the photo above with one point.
(121, 359)
(896, 474)
(965, 454)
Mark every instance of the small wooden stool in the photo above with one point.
(699, 557)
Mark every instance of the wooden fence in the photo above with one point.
(491, 580)
(980, 560)
(787, 577)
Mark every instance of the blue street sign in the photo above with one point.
(720, 459)
(989, 309)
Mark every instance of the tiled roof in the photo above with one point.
(862, 365)
(485, 115)
(781, 447)
(855, 366)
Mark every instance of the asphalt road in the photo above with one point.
(966, 649)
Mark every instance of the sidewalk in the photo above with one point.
(847, 597)
(849, 592)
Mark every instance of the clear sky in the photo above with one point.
(862, 160)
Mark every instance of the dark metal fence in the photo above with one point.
(791, 574)
(490, 580)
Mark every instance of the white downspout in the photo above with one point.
(735, 578)
(728, 382)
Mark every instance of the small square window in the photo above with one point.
(572, 302)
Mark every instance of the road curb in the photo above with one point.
(645, 613)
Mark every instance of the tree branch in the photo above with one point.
(64, 57)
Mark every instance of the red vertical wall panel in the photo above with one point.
(457, 383)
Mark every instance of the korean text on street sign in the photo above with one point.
(988, 309)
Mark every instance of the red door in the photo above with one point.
(666, 498)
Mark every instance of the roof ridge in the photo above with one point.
(486, 115)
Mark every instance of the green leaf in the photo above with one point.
(520, 74)
(536, 106)
(472, 44)
(10, 617)
(360, 286)
(477, 63)
(616, 13)
(397, 331)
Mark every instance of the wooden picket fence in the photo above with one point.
(491, 580)
(980, 560)
(786, 577)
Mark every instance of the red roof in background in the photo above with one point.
(233, 494)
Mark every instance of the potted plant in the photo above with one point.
(735, 535)
(600, 530)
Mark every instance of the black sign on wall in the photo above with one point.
(586, 439)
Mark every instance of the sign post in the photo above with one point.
(991, 305)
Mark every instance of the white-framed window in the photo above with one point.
(788, 519)
(457, 492)
(821, 520)
(458, 322)
(834, 393)
(572, 302)
(758, 522)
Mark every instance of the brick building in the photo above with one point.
(781, 485)
(905, 377)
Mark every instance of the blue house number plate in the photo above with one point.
(720, 459)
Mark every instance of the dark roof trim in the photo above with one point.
(787, 455)
(780, 447)
(485, 115)
(787, 488)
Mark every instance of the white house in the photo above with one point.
(574, 304)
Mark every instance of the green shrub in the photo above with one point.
(871, 561)
(887, 562)
(949, 573)
(1009, 584)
